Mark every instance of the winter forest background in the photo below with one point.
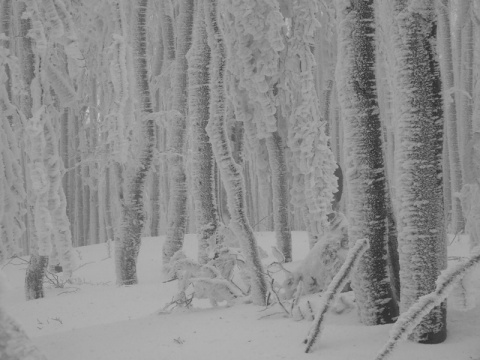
(350, 127)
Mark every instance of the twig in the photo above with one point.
(13, 258)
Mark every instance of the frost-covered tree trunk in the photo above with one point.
(230, 171)
(312, 161)
(62, 237)
(466, 81)
(422, 243)
(156, 176)
(445, 44)
(78, 179)
(278, 168)
(133, 205)
(366, 177)
(177, 208)
(14, 343)
(37, 202)
(203, 175)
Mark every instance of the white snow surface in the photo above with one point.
(95, 319)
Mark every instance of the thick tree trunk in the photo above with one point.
(422, 242)
(230, 171)
(366, 180)
(177, 209)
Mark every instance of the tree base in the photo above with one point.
(438, 314)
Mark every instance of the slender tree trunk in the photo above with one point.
(177, 209)
(230, 171)
(34, 160)
(278, 168)
(203, 176)
(363, 139)
(422, 242)
(62, 236)
(133, 208)
(443, 8)
(79, 214)
(467, 79)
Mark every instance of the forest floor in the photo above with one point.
(95, 319)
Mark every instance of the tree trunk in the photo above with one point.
(422, 242)
(230, 171)
(467, 77)
(278, 168)
(14, 343)
(451, 120)
(203, 169)
(366, 165)
(177, 209)
(133, 208)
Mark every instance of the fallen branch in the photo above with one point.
(333, 290)
(409, 320)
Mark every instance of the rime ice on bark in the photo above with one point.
(62, 237)
(365, 162)
(202, 155)
(253, 36)
(177, 207)
(254, 41)
(14, 343)
(133, 215)
(451, 119)
(312, 162)
(230, 171)
(12, 193)
(422, 243)
(409, 321)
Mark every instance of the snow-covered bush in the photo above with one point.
(211, 281)
(336, 285)
(322, 262)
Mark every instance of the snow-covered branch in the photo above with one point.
(334, 288)
(407, 322)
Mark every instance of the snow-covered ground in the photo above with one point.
(95, 319)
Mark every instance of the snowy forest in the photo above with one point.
(308, 169)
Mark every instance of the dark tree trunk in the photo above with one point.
(422, 242)
(34, 277)
(365, 161)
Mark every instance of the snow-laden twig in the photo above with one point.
(335, 287)
(407, 322)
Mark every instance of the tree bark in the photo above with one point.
(128, 245)
(453, 139)
(177, 208)
(203, 169)
(366, 165)
(422, 242)
(14, 343)
(278, 168)
(230, 171)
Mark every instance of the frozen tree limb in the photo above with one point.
(410, 319)
(334, 289)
